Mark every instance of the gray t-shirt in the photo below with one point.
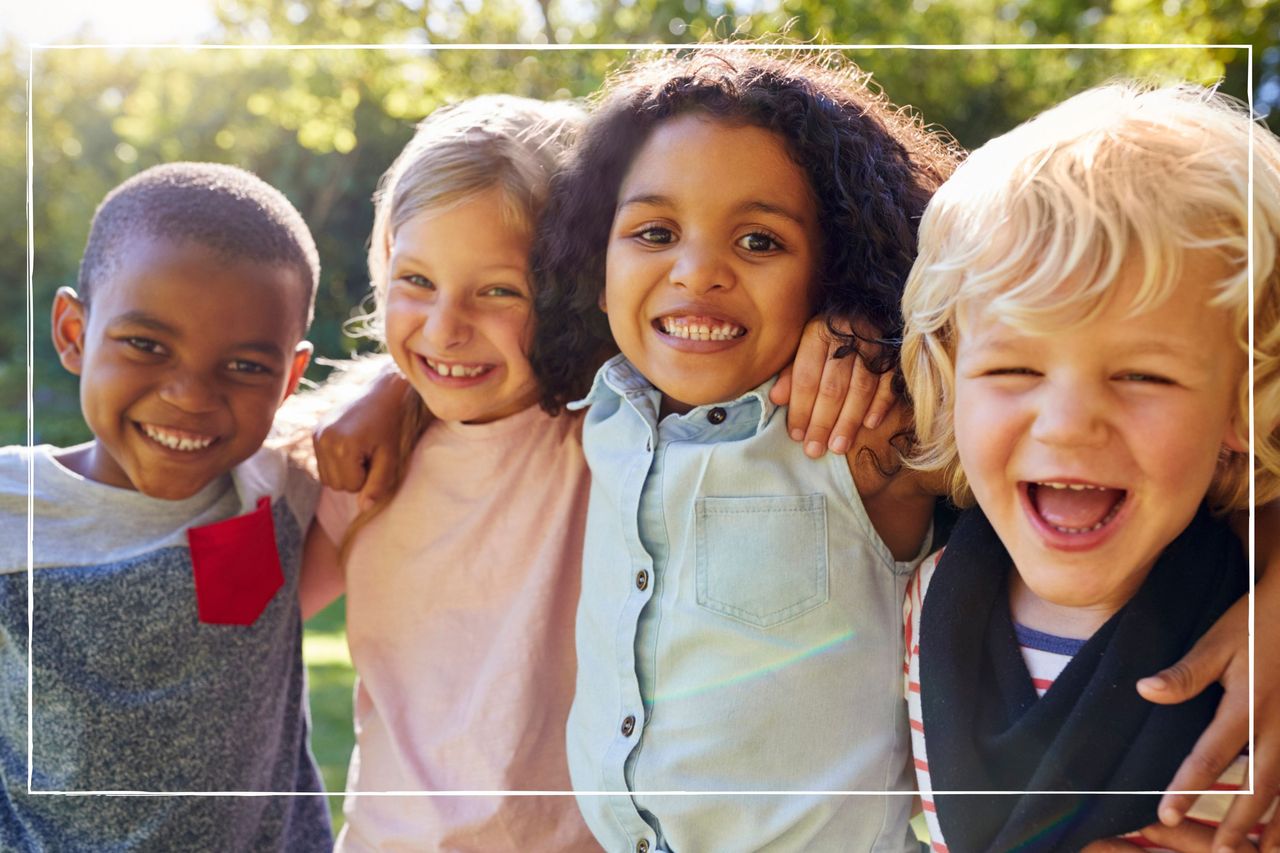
(131, 690)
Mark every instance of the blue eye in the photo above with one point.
(503, 290)
(759, 241)
(418, 281)
(1145, 377)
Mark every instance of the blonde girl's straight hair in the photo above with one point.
(457, 153)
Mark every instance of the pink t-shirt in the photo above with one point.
(461, 597)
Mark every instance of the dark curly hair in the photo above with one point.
(224, 208)
(871, 168)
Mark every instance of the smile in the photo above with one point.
(458, 369)
(699, 328)
(177, 439)
(1075, 508)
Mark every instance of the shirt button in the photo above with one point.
(642, 579)
(642, 846)
(628, 726)
(716, 415)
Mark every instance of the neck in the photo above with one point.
(1074, 622)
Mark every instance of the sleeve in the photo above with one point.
(335, 511)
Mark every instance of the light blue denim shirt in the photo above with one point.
(740, 629)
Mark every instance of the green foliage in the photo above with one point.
(322, 124)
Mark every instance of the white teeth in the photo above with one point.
(175, 442)
(1075, 487)
(456, 369)
(679, 328)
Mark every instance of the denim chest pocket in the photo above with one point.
(761, 560)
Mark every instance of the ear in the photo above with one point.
(1236, 436)
(601, 302)
(70, 319)
(301, 358)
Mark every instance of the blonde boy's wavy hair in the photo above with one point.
(1036, 225)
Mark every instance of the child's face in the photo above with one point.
(183, 359)
(711, 259)
(1090, 449)
(459, 310)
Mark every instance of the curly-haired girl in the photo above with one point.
(741, 603)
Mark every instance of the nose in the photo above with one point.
(447, 324)
(1070, 412)
(190, 391)
(701, 267)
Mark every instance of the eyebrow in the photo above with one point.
(145, 320)
(755, 206)
(409, 256)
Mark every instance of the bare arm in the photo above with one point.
(322, 579)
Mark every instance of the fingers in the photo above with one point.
(861, 392)
(830, 398)
(833, 388)
(1216, 748)
(381, 479)
(1224, 645)
(1241, 819)
(340, 462)
(806, 375)
(781, 390)
(883, 402)
(1110, 845)
(1190, 837)
(1271, 837)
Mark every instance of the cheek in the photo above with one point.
(984, 429)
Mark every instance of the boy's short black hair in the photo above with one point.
(224, 208)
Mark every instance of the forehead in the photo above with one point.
(185, 279)
(479, 230)
(687, 155)
(1180, 299)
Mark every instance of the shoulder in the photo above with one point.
(272, 473)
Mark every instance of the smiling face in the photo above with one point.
(1090, 449)
(183, 359)
(458, 313)
(711, 260)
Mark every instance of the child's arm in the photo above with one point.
(355, 445)
(829, 399)
(322, 579)
(898, 500)
(1222, 654)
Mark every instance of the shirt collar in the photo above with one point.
(619, 379)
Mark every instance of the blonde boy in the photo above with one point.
(1076, 350)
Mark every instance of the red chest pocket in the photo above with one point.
(236, 567)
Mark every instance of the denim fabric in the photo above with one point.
(739, 609)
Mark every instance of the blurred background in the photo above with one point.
(322, 124)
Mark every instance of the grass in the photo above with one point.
(330, 678)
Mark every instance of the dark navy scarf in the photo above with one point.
(987, 730)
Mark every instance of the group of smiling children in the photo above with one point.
(665, 593)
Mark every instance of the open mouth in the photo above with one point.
(177, 439)
(458, 369)
(1075, 508)
(699, 328)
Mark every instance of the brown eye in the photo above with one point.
(656, 236)
(758, 241)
